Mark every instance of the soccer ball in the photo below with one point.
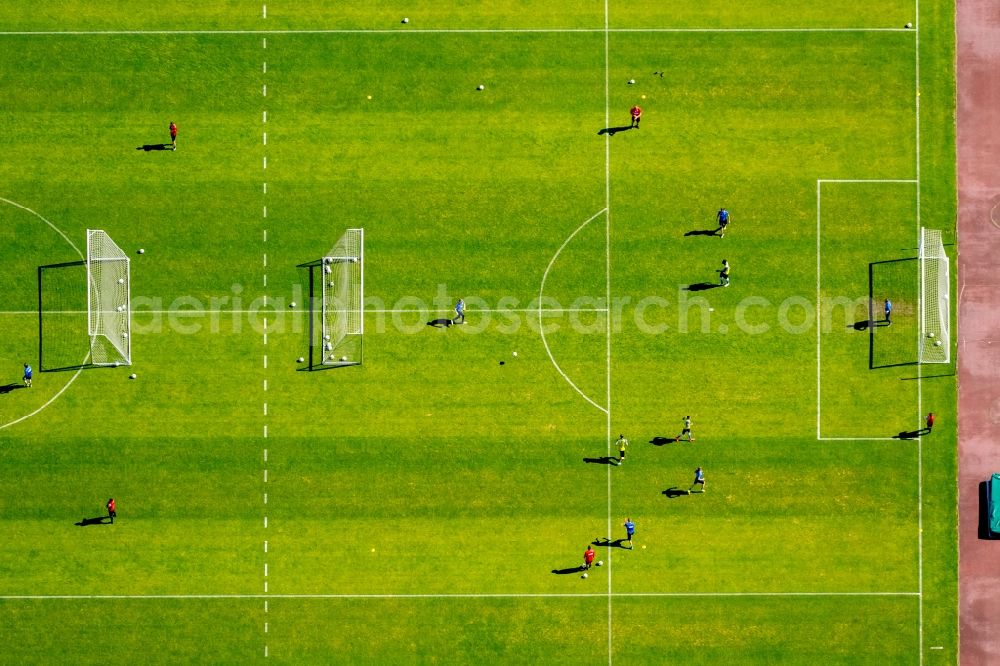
(300, 360)
(326, 337)
(327, 260)
(132, 376)
(937, 343)
(480, 87)
(343, 359)
(931, 334)
(583, 576)
(121, 280)
(142, 251)
(292, 304)
(631, 81)
(331, 284)
(406, 20)
(600, 563)
(328, 269)
(514, 354)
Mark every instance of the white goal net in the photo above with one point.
(108, 310)
(935, 292)
(342, 316)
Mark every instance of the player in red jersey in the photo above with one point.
(588, 557)
(636, 112)
(111, 509)
(173, 135)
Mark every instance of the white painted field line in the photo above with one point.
(192, 313)
(857, 439)
(34, 312)
(920, 395)
(819, 373)
(607, 295)
(441, 31)
(264, 332)
(496, 595)
(541, 293)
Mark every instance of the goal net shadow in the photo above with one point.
(63, 343)
(893, 340)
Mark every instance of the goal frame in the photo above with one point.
(347, 252)
(935, 299)
(99, 314)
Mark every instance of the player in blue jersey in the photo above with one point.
(699, 480)
(459, 312)
(27, 375)
(888, 311)
(629, 531)
(723, 217)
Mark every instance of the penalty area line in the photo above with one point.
(471, 595)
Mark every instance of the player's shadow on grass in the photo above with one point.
(100, 520)
(611, 543)
(11, 387)
(702, 232)
(603, 460)
(569, 570)
(611, 131)
(674, 492)
(701, 286)
(660, 441)
(440, 323)
(154, 146)
(911, 434)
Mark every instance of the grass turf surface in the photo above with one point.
(432, 469)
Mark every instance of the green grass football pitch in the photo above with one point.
(430, 504)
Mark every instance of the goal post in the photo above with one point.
(935, 299)
(343, 294)
(108, 301)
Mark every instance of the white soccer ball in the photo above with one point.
(583, 576)
(142, 251)
(514, 354)
(343, 359)
(406, 20)
(326, 337)
(937, 343)
(300, 360)
(328, 346)
(600, 563)
(480, 87)
(930, 335)
(327, 260)
(328, 269)
(354, 260)
(631, 82)
(124, 334)
(132, 376)
(330, 284)
(121, 308)
(292, 304)
(121, 280)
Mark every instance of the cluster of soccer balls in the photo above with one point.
(599, 563)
